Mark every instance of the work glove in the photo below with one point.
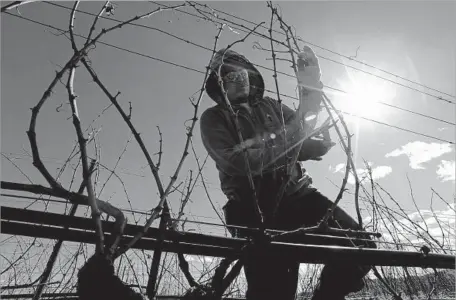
(309, 73)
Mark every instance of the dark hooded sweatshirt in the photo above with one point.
(262, 125)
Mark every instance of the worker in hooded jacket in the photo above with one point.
(252, 138)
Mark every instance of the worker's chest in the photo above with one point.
(262, 121)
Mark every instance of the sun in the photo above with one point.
(364, 95)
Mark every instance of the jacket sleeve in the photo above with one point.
(228, 155)
(310, 148)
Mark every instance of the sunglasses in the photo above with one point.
(238, 77)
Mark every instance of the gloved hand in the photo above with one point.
(96, 280)
(309, 73)
(314, 149)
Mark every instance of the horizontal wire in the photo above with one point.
(214, 186)
(201, 72)
(217, 187)
(382, 123)
(141, 212)
(47, 159)
(399, 108)
(66, 202)
(326, 49)
(260, 66)
(397, 127)
(320, 56)
(131, 24)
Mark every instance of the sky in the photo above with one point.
(413, 41)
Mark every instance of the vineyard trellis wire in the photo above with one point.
(81, 56)
(285, 95)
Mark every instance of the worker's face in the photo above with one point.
(236, 84)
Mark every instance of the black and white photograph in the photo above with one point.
(238, 150)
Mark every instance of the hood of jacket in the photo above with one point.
(232, 57)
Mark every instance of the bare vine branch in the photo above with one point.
(163, 193)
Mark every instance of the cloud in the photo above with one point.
(446, 170)
(427, 225)
(208, 259)
(363, 174)
(189, 257)
(420, 152)
(339, 167)
(380, 171)
(196, 259)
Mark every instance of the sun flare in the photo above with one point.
(364, 94)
